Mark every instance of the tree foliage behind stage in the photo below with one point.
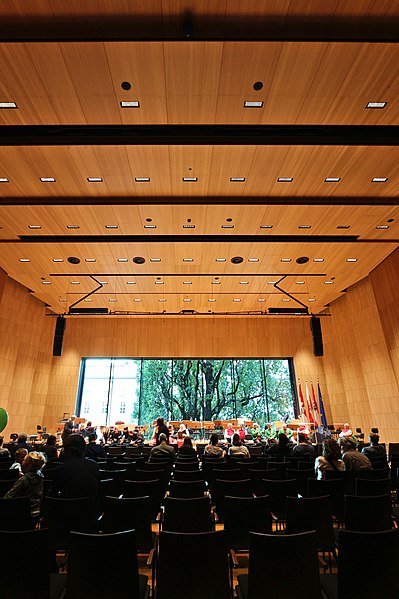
(205, 389)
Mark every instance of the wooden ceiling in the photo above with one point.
(62, 67)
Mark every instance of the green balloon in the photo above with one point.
(3, 419)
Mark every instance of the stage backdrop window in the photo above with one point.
(128, 390)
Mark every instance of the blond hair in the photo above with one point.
(36, 461)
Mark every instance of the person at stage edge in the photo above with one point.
(160, 429)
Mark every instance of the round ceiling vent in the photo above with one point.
(237, 260)
(302, 260)
(73, 260)
(138, 260)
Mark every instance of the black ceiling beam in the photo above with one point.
(189, 238)
(208, 135)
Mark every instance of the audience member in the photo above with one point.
(281, 448)
(19, 457)
(213, 449)
(50, 449)
(4, 452)
(187, 448)
(354, 460)
(329, 460)
(237, 447)
(374, 451)
(22, 442)
(303, 447)
(89, 429)
(30, 484)
(163, 449)
(94, 451)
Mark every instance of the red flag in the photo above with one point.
(301, 403)
(315, 407)
(311, 419)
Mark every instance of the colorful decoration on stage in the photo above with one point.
(322, 411)
(316, 413)
(310, 413)
(3, 419)
(301, 403)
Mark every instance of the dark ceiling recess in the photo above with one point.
(73, 260)
(257, 85)
(302, 260)
(138, 260)
(237, 260)
(288, 311)
(126, 85)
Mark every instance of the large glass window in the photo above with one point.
(202, 389)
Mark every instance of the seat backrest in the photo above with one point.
(278, 491)
(63, 515)
(335, 488)
(109, 561)
(182, 558)
(368, 513)
(187, 515)
(129, 512)
(243, 515)
(188, 475)
(15, 514)
(368, 564)
(186, 489)
(311, 513)
(372, 487)
(298, 578)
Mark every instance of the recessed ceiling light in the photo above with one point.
(8, 105)
(155, 259)
(187, 282)
(253, 259)
(266, 227)
(285, 260)
(328, 282)
(244, 282)
(112, 299)
(130, 104)
(72, 227)
(58, 260)
(261, 299)
(379, 179)
(123, 260)
(190, 179)
(188, 226)
(111, 226)
(286, 299)
(215, 282)
(75, 282)
(186, 299)
(188, 259)
(299, 282)
(382, 227)
(252, 104)
(343, 226)
(4, 180)
(62, 299)
(220, 260)
(271, 282)
(95, 179)
(236, 299)
(88, 299)
(212, 300)
(47, 179)
(311, 299)
(150, 226)
(318, 259)
(332, 179)
(34, 227)
(162, 300)
(130, 282)
(24, 260)
(142, 179)
(304, 226)
(46, 282)
(285, 179)
(351, 259)
(376, 104)
(90, 260)
(237, 179)
(158, 282)
(103, 282)
(227, 227)
(137, 299)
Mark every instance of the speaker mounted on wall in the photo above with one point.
(59, 336)
(315, 328)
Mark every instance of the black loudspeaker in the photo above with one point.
(59, 336)
(315, 327)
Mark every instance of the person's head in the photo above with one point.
(268, 425)
(22, 438)
(92, 437)
(51, 440)
(302, 438)
(229, 425)
(20, 455)
(163, 438)
(88, 423)
(282, 439)
(214, 439)
(374, 439)
(346, 425)
(33, 462)
(180, 435)
(74, 446)
(347, 444)
(236, 440)
(331, 450)
(160, 422)
(73, 417)
(187, 442)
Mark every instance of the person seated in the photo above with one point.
(242, 432)
(346, 433)
(179, 439)
(270, 432)
(302, 428)
(89, 429)
(330, 459)
(22, 442)
(163, 449)
(4, 452)
(50, 449)
(187, 448)
(93, 450)
(183, 429)
(374, 451)
(286, 431)
(115, 435)
(281, 448)
(238, 448)
(353, 459)
(213, 449)
(30, 484)
(303, 447)
(19, 457)
(229, 432)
